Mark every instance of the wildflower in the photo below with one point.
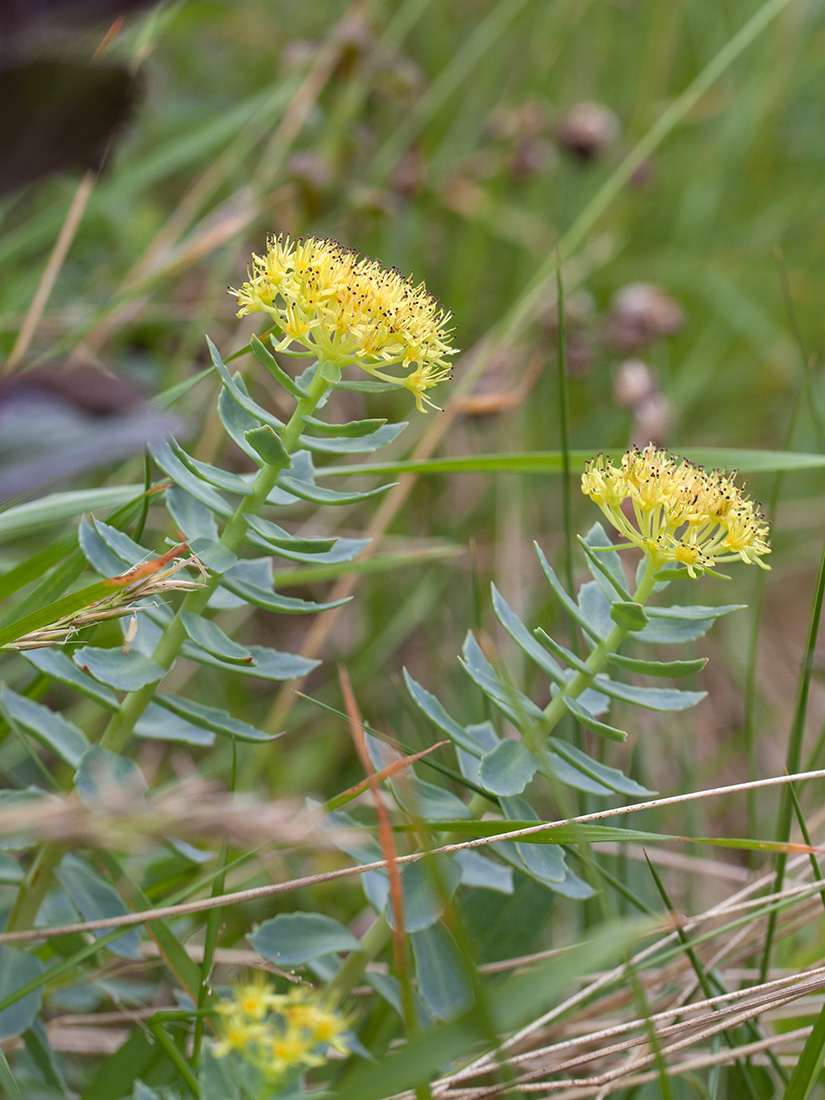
(678, 512)
(350, 311)
(279, 1034)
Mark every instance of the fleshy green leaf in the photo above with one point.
(364, 444)
(442, 972)
(212, 719)
(628, 615)
(194, 519)
(110, 551)
(604, 563)
(18, 968)
(586, 719)
(543, 863)
(512, 702)
(263, 355)
(558, 589)
(238, 393)
(169, 462)
(306, 490)
(479, 871)
(95, 899)
(508, 768)
(267, 445)
(216, 557)
(665, 699)
(208, 636)
(279, 539)
(522, 636)
(50, 729)
(213, 475)
(105, 779)
(353, 430)
(292, 939)
(157, 723)
(268, 600)
(428, 886)
(432, 708)
(269, 664)
(672, 669)
(121, 671)
(601, 773)
(672, 625)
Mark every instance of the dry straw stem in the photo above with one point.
(413, 857)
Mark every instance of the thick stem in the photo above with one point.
(373, 942)
(122, 723)
(595, 663)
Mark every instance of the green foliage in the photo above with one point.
(442, 150)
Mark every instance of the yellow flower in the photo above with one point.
(678, 512)
(350, 311)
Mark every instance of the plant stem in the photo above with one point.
(555, 710)
(377, 936)
(122, 723)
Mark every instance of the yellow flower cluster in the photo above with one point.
(678, 512)
(279, 1033)
(351, 311)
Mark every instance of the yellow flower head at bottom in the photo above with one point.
(677, 512)
(350, 311)
(279, 1033)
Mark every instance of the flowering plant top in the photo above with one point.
(350, 311)
(678, 512)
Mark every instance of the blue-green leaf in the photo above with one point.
(510, 701)
(238, 393)
(541, 861)
(432, 708)
(159, 724)
(308, 491)
(269, 664)
(665, 699)
(214, 555)
(364, 444)
(477, 870)
(18, 968)
(594, 608)
(355, 429)
(193, 518)
(237, 422)
(268, 600)
(279, 539)
(110, 551)
(522, 636)
(508, 768)
(428, 888)
(442, 972)
(672, 669)
(169, 462)
(292, 939)
(427, 801)
(267, 445)
(95, 899)
(343, 550)
(604, 563)
(208, 636)
(590, 722)
(558, 589)
(263, 355)
(628, 615)
(672, 625)
(11, 871)
(60, 667)
(105, 779)
(611, 778)
(52, 730)
(212, 719)
(213, 475)
(121, 671)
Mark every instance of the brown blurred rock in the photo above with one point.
(587, 130)
(639, 313)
